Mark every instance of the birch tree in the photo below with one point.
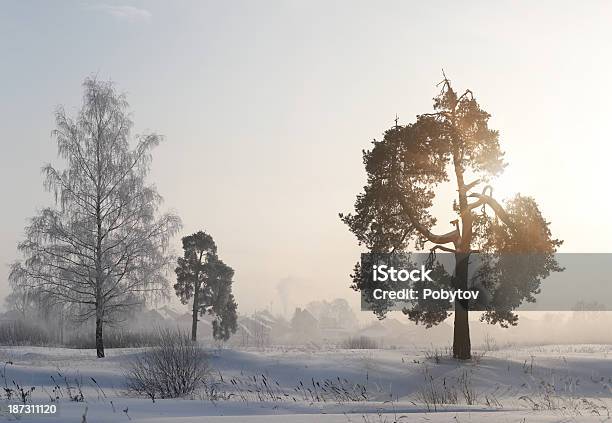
(103, 247)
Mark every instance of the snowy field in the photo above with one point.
(561, 383)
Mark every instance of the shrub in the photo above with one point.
(436, 392)
(175, 368)
(437, 355)
(359, 343)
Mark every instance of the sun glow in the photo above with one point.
(506, 186)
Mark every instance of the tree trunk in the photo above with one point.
(99, 340)
(462, 348)
(194, 326)
(194, 322)
(99, 318)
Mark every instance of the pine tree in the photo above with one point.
(393, 213)
(203, 278)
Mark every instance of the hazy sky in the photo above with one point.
(266, 106)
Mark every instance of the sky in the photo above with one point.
(266, 107)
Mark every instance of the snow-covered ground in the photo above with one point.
(560, 383)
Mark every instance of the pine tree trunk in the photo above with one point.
(194, 323)
(99, 339)
(194, 326)
(462, 348)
